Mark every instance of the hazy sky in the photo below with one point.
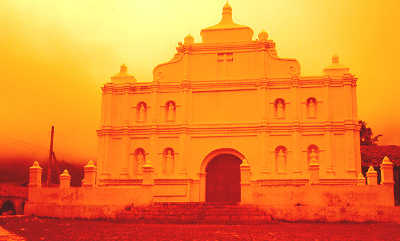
(55, 56)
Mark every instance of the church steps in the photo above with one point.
(207, 213)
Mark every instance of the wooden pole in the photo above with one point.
(49, 164)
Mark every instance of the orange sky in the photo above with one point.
(55, 56)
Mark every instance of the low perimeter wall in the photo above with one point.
(339, 203)
(291, 203)
(85, 202)
(323, 195)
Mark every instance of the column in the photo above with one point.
(297, 157)
(262, 153)
(105, 172)
(245, 175)
(125, 112)
(202, 177)
(186, 99)
(299, 165)
(349, 154)
(108, 105)
(329, 159)
(147, 185)
(125, 158)
(348, 99)
(184, 147)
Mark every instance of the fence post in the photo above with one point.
(65, 180)
(89, 176)
(35, 175)
(372, 176)
(387, 171)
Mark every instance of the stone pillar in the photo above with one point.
(245, 176)
(89, 176)
(35, 175)
(361, 179)
(147, 184)
(65, 180)
(387, 171)
(202, 187)
(314, 172)
(372, 176)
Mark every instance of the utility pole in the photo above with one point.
(50, 163)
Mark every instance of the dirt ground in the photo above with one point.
(33, 228)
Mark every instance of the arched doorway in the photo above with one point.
(8, 208)
(223, 179)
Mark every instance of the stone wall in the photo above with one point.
(311, 202)
(324, 195)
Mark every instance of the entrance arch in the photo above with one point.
(8, 208)
(220, 176)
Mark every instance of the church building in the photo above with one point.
(226, 119)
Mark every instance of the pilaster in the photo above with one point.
(124, 173)
(107, 108)
(331, 165)
(245, 176)
(297, 157)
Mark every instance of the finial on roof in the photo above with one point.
(123, 75)
(227, 5)
(335, 59)
(263, 35)
(123, 69)
(188, 39)
(227, 14)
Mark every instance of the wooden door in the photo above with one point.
(223, 179)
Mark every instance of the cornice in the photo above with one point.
(200, 48)
(232, 129)
(239, 84)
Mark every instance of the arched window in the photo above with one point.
(170, 111)
(141, 112)
(311, 107)
(281, 159)
(313, 154)
(279, 108)
(140, 160)
(168, 166)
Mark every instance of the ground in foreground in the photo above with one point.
(33, 228)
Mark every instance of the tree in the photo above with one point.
(366, 135)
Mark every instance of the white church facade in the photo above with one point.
(227, 112)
